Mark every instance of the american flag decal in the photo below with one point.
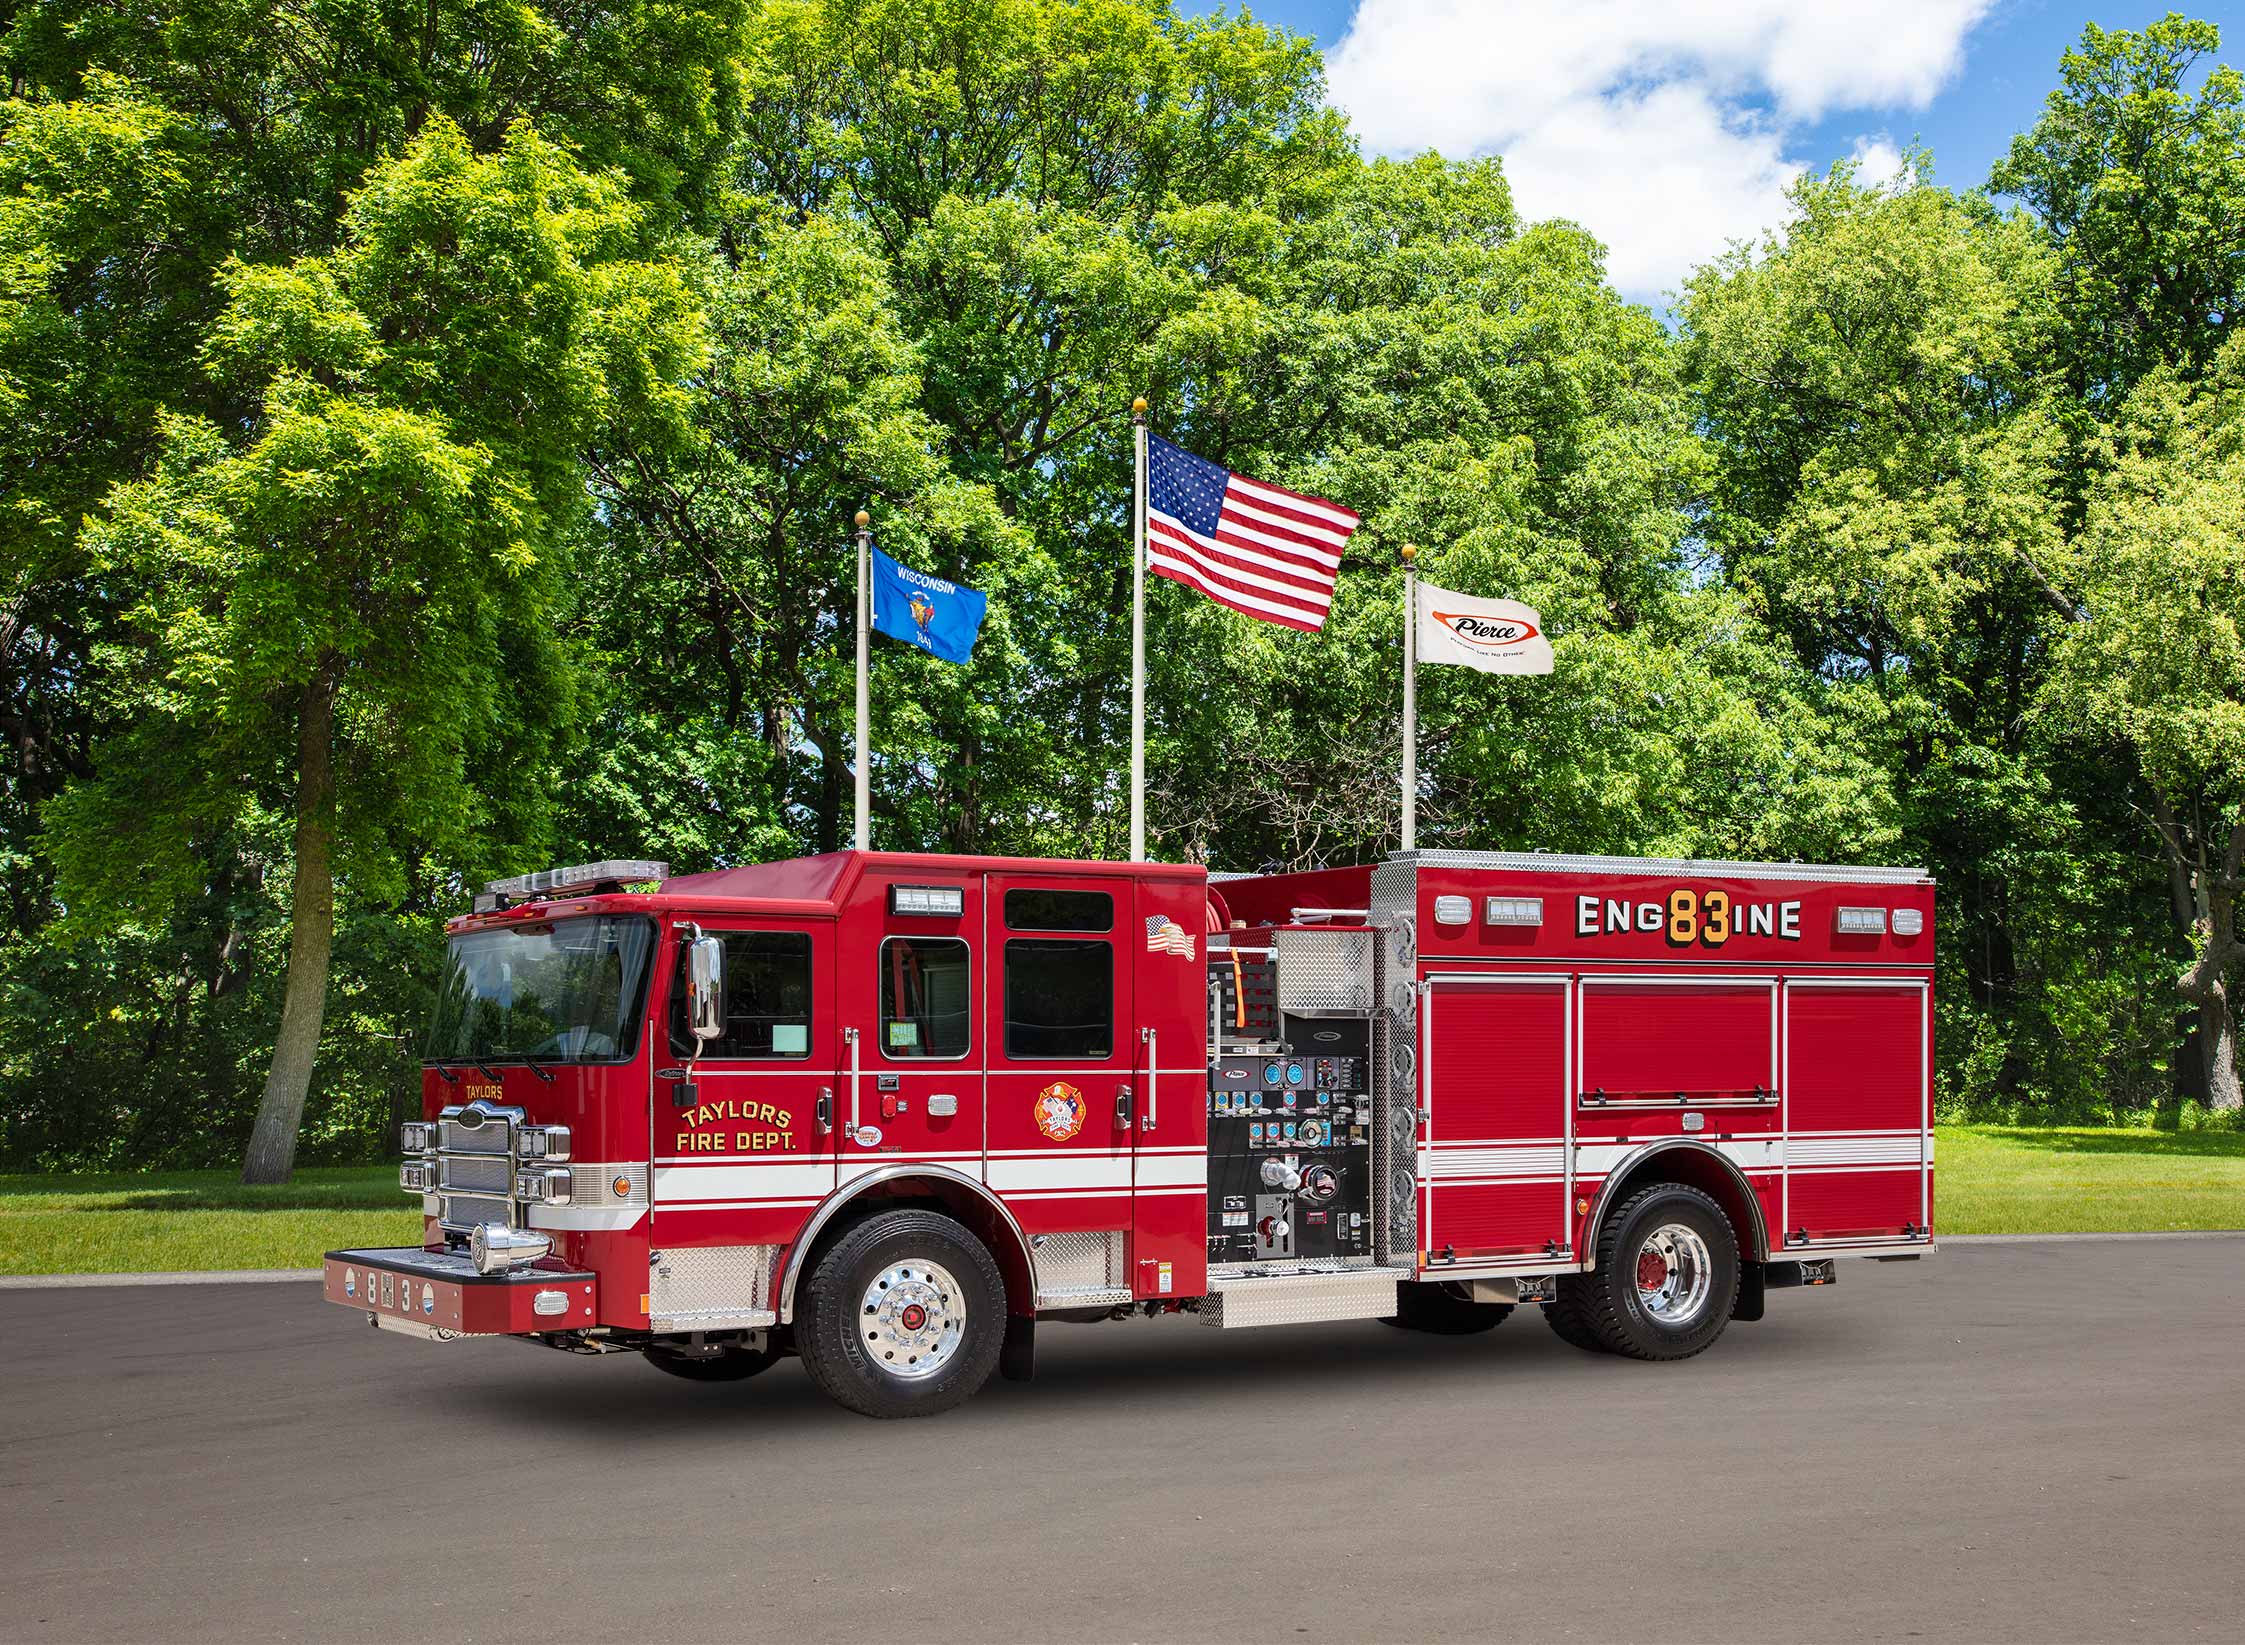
(1165, 936)
(1258, 548)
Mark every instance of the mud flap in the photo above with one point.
(1017, 1359)
(1751, 1289)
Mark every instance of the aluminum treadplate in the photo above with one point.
(1297, 1299)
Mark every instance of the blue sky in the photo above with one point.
(1669, 127)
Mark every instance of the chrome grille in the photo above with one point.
(488, 1138)
(476, 1174)
(468, 1211)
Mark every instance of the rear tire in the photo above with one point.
(1666, 1280)
(905, 1316)
(1439, 1311)
(732, 1365)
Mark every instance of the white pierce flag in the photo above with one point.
(1495, 636)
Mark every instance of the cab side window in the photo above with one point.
(767, 999)
(926, 997)
(1060, 999)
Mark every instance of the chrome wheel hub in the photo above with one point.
(1675, 1274)
(913, 1317)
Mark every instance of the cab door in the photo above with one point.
(741, 1125)
(1063, 1061)
(912, 1051)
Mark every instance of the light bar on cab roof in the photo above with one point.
(590, 873)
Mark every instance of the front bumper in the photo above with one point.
(439, 1294)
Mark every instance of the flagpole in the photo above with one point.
(1138, 637)
(864, 834)
(1410, 699)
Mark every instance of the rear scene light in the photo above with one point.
(1512, 910)
(937, 901)
(1908, 922)
(1863, 922)
(1453, 910)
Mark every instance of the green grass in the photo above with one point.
(143, 1222)
(1992, 1180)
(1998, 1179)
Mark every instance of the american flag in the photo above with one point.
(1260, 549)
(1165, 936)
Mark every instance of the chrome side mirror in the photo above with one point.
(705, 988)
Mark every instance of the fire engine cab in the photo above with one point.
(888, 1112)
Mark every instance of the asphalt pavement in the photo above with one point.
(2030, 1442)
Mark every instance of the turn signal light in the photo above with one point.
(418, 1176)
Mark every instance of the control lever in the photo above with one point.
(1278, 1173)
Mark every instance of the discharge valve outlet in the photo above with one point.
(1278, 1173)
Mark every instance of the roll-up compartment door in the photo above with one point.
(1678, 1043)
(1495, 1159)
(1857, 1160)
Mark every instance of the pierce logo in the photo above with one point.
(1487, 633)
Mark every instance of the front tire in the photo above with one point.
(905, 1316)
(1439, 1311)
(1666, 1279)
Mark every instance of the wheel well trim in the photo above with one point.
(1758, 1250)
(842, 1198)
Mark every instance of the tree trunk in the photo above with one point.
(2217, 1039)
(311, 937)
(2214, 887)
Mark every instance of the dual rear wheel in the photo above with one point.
(1665, 1281)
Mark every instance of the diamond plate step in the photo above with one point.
(1297, 1299)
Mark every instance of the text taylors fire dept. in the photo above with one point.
(892, 1113)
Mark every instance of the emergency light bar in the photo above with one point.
(939, 901)
(584, 874)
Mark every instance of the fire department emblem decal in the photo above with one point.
(1060, 1111)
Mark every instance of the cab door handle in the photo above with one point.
(1123, 1105)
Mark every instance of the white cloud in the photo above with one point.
(1660, 125)
(1877, 161)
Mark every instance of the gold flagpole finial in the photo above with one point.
(863, 519)
(1138, 406)
(1409, 551)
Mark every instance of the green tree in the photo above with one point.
(354, 599)
(2157, 663)
(1881, 385)
(2140, 186)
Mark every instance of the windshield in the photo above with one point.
(568, 991)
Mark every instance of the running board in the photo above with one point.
(1297, 1299)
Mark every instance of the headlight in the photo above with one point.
(547, 1142)
(418, 1176)
(417, 1136)
(543, 1186)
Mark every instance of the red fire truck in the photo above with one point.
(889, 1111)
